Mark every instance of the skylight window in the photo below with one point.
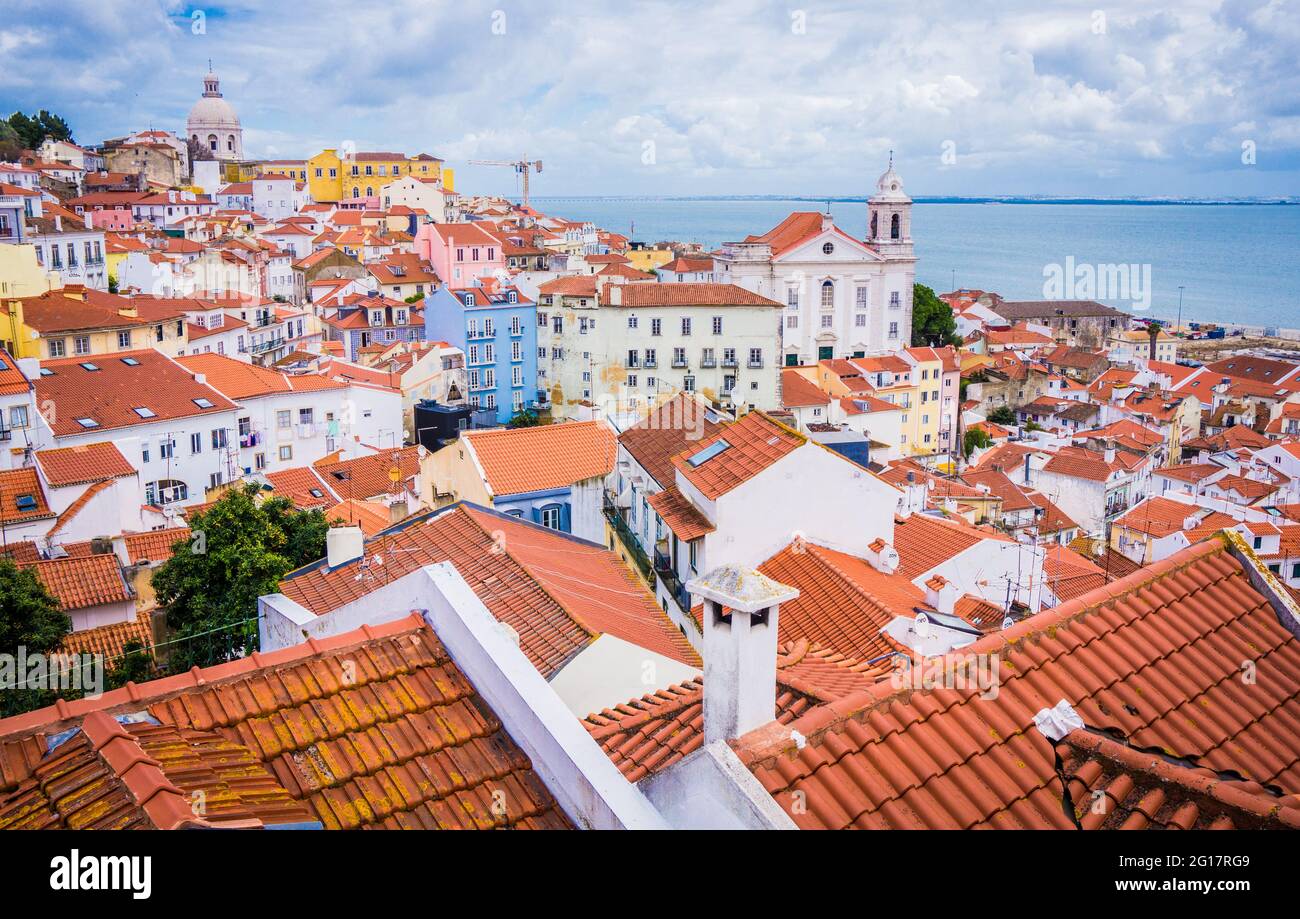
(708, 453)
(25, 502)
(91, 367)
(203, 403)
(317, 493)
(88, 422)
(47, 372)
(144, 412)
(130, 362)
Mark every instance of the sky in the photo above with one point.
(729, 97)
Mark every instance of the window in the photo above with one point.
(166, 449)
(792, 322)
(305, 416)
(631, 380)
(541, 320)
(196, 443)
(860, 298)
(792, 297)
(686, 325)
(656, 326)
(893, 330)
(650, 358)
(679, 357)
(756, 357)
(81, 344)
(895, 299)
(828, 295)
(688, 384)
(219, 439)
(860, 320)
(18, 416)
(631, 322)
(717, 325)
(828, 321)
(284, 418)
(828, 248)
(57, 347)
(550, 516)
(286, 452)
(124, 341)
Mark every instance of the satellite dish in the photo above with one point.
(922, 625)
(1008, 622)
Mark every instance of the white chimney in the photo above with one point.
(740, 629)
(882, 556)
(343, 544)
(941, 594)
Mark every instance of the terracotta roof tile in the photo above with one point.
(154, 545)
(369, 476)
(749, 446)
(798, 391)
(78, 583)
(281, 738)
(549, 456)
(22, 484)
(680, 515)
(111, 640)
(1154, 659)
(557, 592)
(83, 463)
(676, 425)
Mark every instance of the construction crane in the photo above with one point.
(524, 167)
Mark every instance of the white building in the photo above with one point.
(277, 197)
(168, 423)
(283, 420)
(843, 296)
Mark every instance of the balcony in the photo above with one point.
(680, 363)
(672, 583)
(650, 363)
(260, 347)
(755, 365)
(629, 540)
(729, 362)
(708, 363)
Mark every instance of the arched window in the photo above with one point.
(893, 227)
(370, 192)
(828, 294)
(874, 227)
(230, 143)
(356, 192)
(212, 142)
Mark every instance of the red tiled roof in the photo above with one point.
(843, 602)
(369, 476)
(521, 460)
(78, 583)
(243, 380)
(111, 640)
(373, 518)
(1069, 574)
(280, 737)
(680, 515)
(687, 294)
(794, 230)
(646, 735)
(924, 542)
(753, 443)
(798, 391)
(1154, 659)
(12, 381)
(83, 463)
(304, 487)
(110, 394)
(679, 424)
(557, 592)
(1189, 472)
(154, 545)
(16, 483)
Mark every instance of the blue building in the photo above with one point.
(496, 327)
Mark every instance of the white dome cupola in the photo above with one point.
(213, 124)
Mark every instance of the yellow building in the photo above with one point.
(293, 169)
(649, 259)
(75, 322)
(332, 177)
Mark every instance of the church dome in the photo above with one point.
(212, 110)
(890, 185)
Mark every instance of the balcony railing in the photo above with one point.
(729, 362)
(755, 365)
(629, 540)
(708, 362)
(672, 583)
(680, 363)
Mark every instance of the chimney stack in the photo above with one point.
(343, 545)
(740, 629)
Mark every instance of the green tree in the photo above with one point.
(112, 284)
(11, 145)
(32, 130)
(415, 298)
(933, 324)
(237, 552)
(30, 618)
(524, 418)
(976, 439)
(136, 665)
(1003, 414)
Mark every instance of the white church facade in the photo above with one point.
(843, 296)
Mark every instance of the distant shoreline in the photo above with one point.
(942, 199)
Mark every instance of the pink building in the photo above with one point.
(459, 252)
